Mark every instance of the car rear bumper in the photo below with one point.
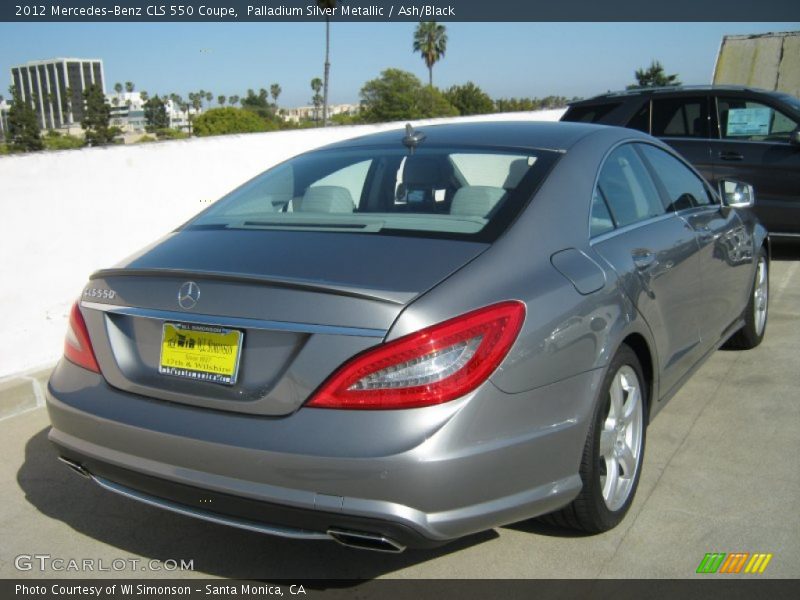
(417, 477)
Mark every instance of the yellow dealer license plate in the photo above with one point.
(200, 352)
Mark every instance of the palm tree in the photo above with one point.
(275, 91)
(316, 100)
(118, 88)
(233, 100)
(430, 40)
(129, 87)
(209, 96)
(221, 100)
(144, 96)
(326, 76)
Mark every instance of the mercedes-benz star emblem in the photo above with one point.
(188, 295)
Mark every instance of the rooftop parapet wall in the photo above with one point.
(66, 214)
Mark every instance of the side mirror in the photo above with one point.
(737, 194)
(794, 137)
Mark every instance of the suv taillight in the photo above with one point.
(77, 345)
(431, 366)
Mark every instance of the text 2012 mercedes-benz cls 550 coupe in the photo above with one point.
(412, 336)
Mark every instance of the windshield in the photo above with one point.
(466, 192)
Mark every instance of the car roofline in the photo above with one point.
(673, 89)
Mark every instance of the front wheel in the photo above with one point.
(755, 314)
(614, 449)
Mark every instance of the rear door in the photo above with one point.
(753, 147)
(682, 121)
(655, 253)
(725, 247)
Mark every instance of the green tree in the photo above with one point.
(144, 96)
(316, 99)
(259, 104)
(155, 114)
(430, 40)
(653, 76)
(221, 100)
(96, 117)
(275, 91)
(24, 133)
(326, 4)
(469, 99)
(223, 121)
(234, 100)
(399, 95)
(129, 87)
(433, 103)
(118, 88)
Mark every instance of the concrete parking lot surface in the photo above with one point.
(721, 474)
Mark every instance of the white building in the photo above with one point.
(127, 111)
(179, 119)
(4, 106)
(301, 113)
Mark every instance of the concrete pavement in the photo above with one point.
(721, 474)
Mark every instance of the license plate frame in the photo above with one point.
(197, 352)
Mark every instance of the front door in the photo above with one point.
(754, 148)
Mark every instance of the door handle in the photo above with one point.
(643, 259)
(731, 156)
(705, 233)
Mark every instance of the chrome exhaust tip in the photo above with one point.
(76, 467)
(366, 541)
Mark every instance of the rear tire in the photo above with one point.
(755, 315)
(612, 457)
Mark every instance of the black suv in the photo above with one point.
(726, 132)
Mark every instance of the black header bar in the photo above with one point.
(399, 10)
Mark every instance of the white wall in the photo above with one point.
(65, 214)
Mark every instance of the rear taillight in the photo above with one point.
(432, 366)
(77, 345)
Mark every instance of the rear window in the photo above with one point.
(462, 192)
(589, 114)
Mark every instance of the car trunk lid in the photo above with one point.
(303, 302)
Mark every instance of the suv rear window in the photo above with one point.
(462, 192)
(589, 114)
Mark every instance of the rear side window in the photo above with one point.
(627, 189)
(589, 114)
(641, 120)
(680, 117)
(683, 189)
(601, 221)
(741, 119)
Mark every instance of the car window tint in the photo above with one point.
(627, 188)
(600, 220)
(641, 120)
(589, 114)
(684, 189)
(680, 117)
(742, 119)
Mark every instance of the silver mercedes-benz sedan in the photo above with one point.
(412, 336)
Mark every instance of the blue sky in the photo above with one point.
(505, 59)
